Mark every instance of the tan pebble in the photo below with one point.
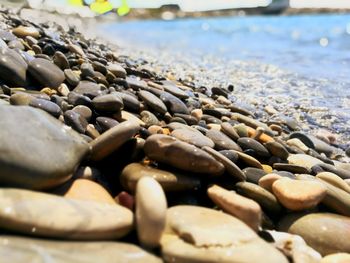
(84, 189)
(23, 31)
(347, 181)
(336, 258)
(239, 206)
(335, 180)
(214, 126)
(298, 143)
(267, 168)
(151, 207)
(298, 195)
(63, 90)
(270, 110)
(155, 129)
(48, 91)
(267, 181)
(197, 113)
(127, 116)
(276, 128)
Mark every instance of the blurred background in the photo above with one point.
(294, 53)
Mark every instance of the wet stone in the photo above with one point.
(222, 141)
(169, 180)
(117, 70)
(277, 149)
(83, 111)
(149, 118)
(60, 60)
(257, 147)
(169, 150)
(89, 89)
(153, 101)
(46, 73)
(108, 102)
(51, 142)
(192, 137)
(106, 123)
(12, 68)
(72, 78)
(228, 129)
(130, 102)
(48, 106)
(76, 99)
(174, 104)
(75, 120)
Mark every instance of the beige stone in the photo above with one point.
(303, 160)
(298, 195)
(84, 189)
(41, 214)
(198, 234)
(336, 258)
(334, 180)
(151, 207)
(24, 249)
(298, 143)
(239, 206)
(267, 180)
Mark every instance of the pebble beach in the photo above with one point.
(107, 156)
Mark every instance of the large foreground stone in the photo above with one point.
(327, 233)
(40, 214)
(37, 151)
(21, 249)
(198, 234)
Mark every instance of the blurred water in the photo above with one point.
(309, 54)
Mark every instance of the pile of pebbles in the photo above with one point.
(102, 159)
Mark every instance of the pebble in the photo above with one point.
(325, 232)
(51, 142)
(192, 136)
(76, 121)
(253, 175)
(222, 141)
(83, 189)
(298, 195)
(249, 143)
(24, 249)
(170, 181)
(336, 258)
(117, 70)
(239, 206)
(13, 68)
(228, 129)
(334, 180)
(151, 209)
(48, 106)
(22, 211)
(153, 101)
(112, 139)
(303, 160)
(46, 73)
(198, 234)
(108, 103)
(21, 98)
(174, 104)
(84, 111)
(267, 181)
(277, 149)
(169, 150)
(89, 89)
(24, 31)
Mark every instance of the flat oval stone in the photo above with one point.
(277, 149)
(153, 101)
(263, 197)
(174, 104)
(173, 89)
(192, 137)
(108, 102)
(76, 121)
(60, 60)
(24, 249)
(334, 180)
(325, 232)
(181, 155)
(51, 142)
(239, 206)
(24, 31)
(136, 84)
(313, 142)
(251, 122)
(267, 181)
(228, 129)
(13, 68)
(253, 174)
(106, 123)
(198, 234)
(83, 189)
(130, 102)
(222, 141)
(251, 161)
(89, 89)
(293, 168)
(231, 168)
(112, 139)
(151, 208)
(48, 106)
(117, 70)
(298, 195)
(249, 143)
(46, 73)
(170, 181)
(22, 211)
(303, 160)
